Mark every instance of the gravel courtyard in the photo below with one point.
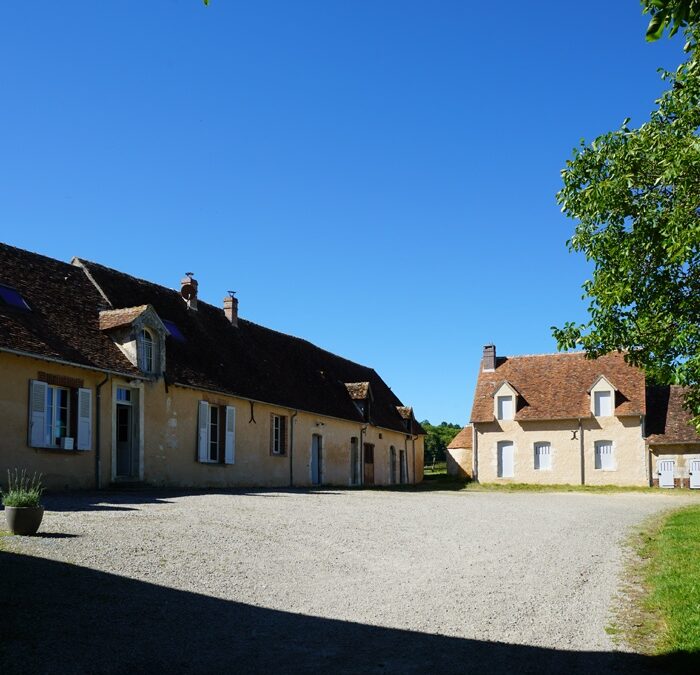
(350, 581)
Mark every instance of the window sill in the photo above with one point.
(61, 451)
(278, 454)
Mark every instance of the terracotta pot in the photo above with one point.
(24, 519)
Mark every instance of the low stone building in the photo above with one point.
(459, 455)
(109, 379)
(563, 418)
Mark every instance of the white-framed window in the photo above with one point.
(543, 456)
(505, 408)
(54, 422)
(604, 456)
(602, 404)
(278, 434)
(147, 351)
(216, 435)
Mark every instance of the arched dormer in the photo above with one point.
(140, 335)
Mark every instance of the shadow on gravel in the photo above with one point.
(131, 499)
(61, 618)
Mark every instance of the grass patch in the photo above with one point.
(437, 481)
(672, 579)
(659, 613)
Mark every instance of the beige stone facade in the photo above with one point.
(165, 438)
(572, 447)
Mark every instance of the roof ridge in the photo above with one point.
(529, 356)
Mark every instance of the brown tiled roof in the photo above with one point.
(358, 390)
(405, 411)
(462, 440)
(555, 386)
(63, 321)
(250, 360)
(113, 318)
(667, 420)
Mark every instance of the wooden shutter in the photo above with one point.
(230, 436)
(37, 414)
(203, 432)
(84, 418)
(272, 432)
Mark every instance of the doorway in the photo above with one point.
(369, 464)
(694, 469)
(316, 459)
(126, 447)
(666, 473)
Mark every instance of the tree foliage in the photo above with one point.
(438, 438)
(636, 196)
(671, 14)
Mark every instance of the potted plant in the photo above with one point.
(23, 510)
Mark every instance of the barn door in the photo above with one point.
(666, 472)
(695, 473)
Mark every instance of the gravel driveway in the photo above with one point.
(350, 581)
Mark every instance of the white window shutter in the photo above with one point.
(37, 414)
(203, 432)
(230, 448)
(84, 440)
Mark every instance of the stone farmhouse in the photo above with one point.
(563, 418)
(108, 379)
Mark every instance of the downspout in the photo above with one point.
(98, 431)
(413, 449)
(291, 447)
(583, 452)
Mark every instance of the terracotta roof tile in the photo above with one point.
(462, 440)
(113, 318)
(63, 321)
(555, 386)
(667, 420)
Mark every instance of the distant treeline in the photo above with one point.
(438, 439)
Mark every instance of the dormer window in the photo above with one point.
(140, 334)
(505, 402)
(505, 408)
(602, 403)
(147, 351)
(602, 394)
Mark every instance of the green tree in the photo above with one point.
(636, 196)
(437, 439)
(671, 14)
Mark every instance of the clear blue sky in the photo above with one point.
(376, 177)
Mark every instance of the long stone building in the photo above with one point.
(109, 379)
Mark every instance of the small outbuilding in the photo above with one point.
(460, 457)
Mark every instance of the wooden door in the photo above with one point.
(316, 459)
(666, 473)
(369, 464)
(695, 473)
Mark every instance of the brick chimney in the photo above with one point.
(188, 290)
(489, 359)
(231, 308)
